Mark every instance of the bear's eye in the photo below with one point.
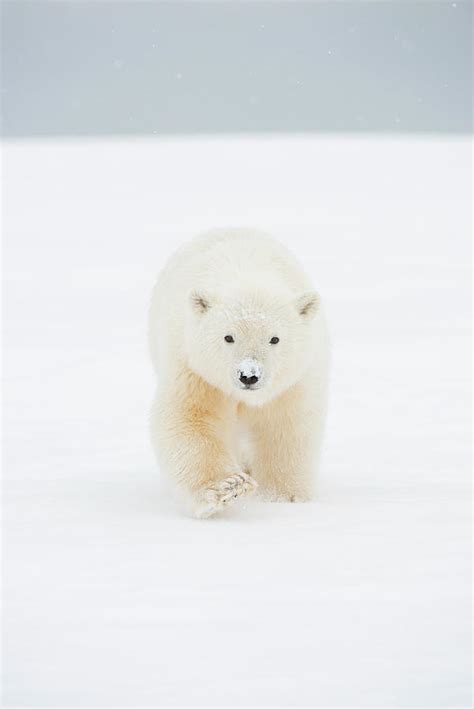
(274, 340)
(229, 338)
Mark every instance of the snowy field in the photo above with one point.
(112, 597)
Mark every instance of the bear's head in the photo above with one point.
(252, 346)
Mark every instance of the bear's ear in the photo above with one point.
(200, 301)
(308, 304)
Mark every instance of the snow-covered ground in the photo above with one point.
(114, 598)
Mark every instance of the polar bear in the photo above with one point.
(239, 345)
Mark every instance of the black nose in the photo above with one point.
(248, 380)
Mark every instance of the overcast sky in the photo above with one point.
(98, 68)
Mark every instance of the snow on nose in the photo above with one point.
(250, 368)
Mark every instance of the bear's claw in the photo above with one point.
(223, 492)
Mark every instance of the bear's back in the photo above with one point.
(222, 259)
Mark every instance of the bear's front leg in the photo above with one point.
(191, 431)
(287, 437)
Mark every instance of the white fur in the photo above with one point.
(244, 284)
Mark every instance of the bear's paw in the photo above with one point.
(223, 493)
